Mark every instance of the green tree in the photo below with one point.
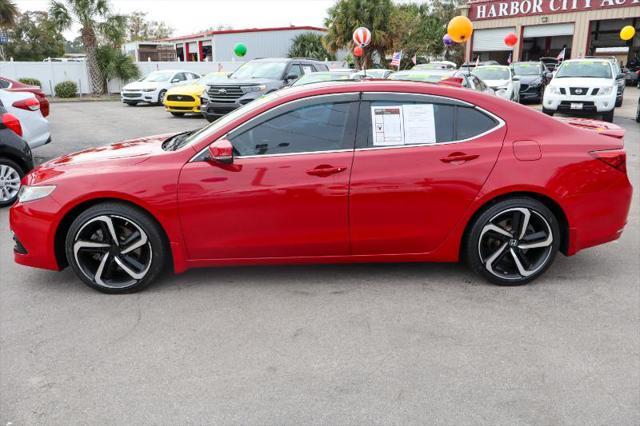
(34, 38)
(309, 45)
(8, 13)
(114, 63)
(347, 15)
(141, 29)
(96, 20)
(74, 46)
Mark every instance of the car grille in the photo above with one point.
(225, 93)
(131, 95)
(578, 90)
(180, 98)
(181, 108)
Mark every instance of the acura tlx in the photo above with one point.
(371, 171)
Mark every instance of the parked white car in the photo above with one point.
(501, 79)
(584, 86)
(152, 88)
(26, 107)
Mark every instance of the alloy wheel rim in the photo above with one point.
(112, 251)
(9, 182)
(515, 244)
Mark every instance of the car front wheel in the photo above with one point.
(608, 116)
(115, 248)
(548, 111)
(513, 242)
(161, 97)
(10, 176)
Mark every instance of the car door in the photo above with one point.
(286, 193)
(178, 78)
(419, 163)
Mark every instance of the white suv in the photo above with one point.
(584, 86)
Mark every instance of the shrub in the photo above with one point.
(66, 89)
(30, 81)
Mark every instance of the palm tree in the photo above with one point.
(8, 13)
(347, 15)
(309, 45)
(114, 63)
(95, 21)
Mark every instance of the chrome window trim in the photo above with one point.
(501, 123)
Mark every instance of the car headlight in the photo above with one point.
(553, 90)
(256, 88)
(607, 90)
(149, 90)
(31, 193)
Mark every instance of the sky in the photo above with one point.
(190, 16)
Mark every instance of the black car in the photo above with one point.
(15, 157)
(253, 80)
(534, 77)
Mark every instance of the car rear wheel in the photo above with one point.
(513, 242)
(177, 114)
(10, 176)
(115, 248)
(608, 116)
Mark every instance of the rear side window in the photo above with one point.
(471, 122)
(3, 84)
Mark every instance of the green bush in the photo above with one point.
(30, 81)
(66, 89)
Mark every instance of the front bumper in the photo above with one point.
(185, 107)
(590, 104)
(34, 225)
(531, 92)
(138, 96)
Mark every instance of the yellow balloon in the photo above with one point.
(460, 29)
(627, 33)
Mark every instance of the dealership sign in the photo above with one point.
(509, 9)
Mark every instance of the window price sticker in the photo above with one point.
(403, 125)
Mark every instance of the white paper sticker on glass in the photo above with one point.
(387, 125)
(419, 124)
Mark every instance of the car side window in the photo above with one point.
(3, 84)
(193, 76)
(180, 77)
(471, 122)
(307, 69)
(314, 128)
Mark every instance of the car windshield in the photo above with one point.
(187, 138)
(526, 68)
(584, 69)
(376, 73)
(157, 76)
(431, 66)
(260, 69)
(492, 73)
(316, 77)
(212, 77)
(433, 76)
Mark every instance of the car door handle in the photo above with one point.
(458, 157)
(325, 170)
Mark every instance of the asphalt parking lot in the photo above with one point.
(349, 344)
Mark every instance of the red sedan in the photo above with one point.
(374, 171)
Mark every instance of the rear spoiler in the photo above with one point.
(601, 127)
(452, 81)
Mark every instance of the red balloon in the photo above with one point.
(510, 39)
(357, 51)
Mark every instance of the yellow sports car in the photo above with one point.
(185, 98)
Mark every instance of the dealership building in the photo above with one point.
(546, 27)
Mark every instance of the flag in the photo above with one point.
(414, 60)
(396, 58)
(509, 59)
(560, 56)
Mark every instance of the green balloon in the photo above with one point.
(240, 49)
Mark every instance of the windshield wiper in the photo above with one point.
(174, 141)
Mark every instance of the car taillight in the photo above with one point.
(616, 158)
(11, 122)
(31, 104)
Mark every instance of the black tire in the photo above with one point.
(638, 114)
(478, 250)
(131, 103)
(10, 168)
(151, 255)
(548, 111)
(210, 118)
(619, 101)
(177, 114)
(608, 116)
(161, 95)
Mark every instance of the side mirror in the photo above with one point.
(619, 76)
(291, 78)
(548, 74)
(516, 78)
(221, 151)
(175, 80)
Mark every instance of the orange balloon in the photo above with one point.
(460, 29)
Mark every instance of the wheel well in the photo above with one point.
(548, 202)
(16, 160)
(67, 220)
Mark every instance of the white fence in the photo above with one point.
(52, 73)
